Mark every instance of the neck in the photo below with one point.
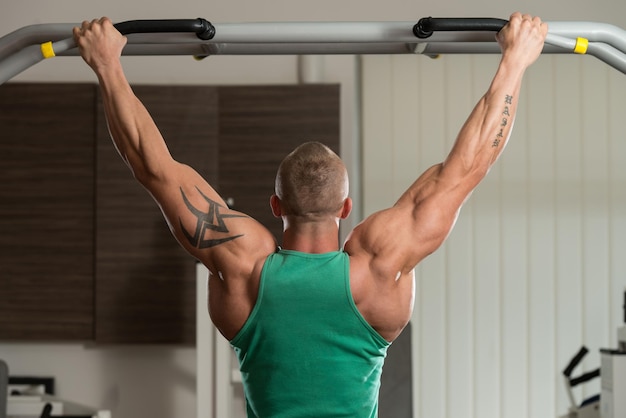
(320, 236)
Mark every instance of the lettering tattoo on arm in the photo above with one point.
(211, 220)
(506, 114)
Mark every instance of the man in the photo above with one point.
(310, 321)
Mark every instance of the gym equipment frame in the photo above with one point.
(432, 37)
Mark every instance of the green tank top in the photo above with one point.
(305, 350)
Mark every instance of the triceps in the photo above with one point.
(211, 228)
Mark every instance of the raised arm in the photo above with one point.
(397, 239)
(222, 239)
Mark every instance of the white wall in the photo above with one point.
(534, 268)
(159, 381)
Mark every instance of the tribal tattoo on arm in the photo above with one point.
(211, 220)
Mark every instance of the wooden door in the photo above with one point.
(46, 211)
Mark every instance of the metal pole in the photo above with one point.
(25, 47)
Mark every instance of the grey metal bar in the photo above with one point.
(204, 49)
(595, 32)
(33, 34)
(610, 55)
(444, 48)
(20, 49)
(20, 61)
(314, 32)
(278, 33)
(561, 42)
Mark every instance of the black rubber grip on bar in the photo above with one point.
(584, 378)
(574, 362)
(201, 27)
(425, 27)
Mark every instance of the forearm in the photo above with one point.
(484, 135)
(487, 130)
(134, 133)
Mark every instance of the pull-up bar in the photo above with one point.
(29, 45)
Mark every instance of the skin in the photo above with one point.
(383, 249)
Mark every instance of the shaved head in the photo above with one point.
(312, 181)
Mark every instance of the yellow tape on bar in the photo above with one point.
(47, 51)
(581, 46)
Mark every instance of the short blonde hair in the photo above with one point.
(312, 181)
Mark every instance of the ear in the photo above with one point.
(346, 208)
(275, 205)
